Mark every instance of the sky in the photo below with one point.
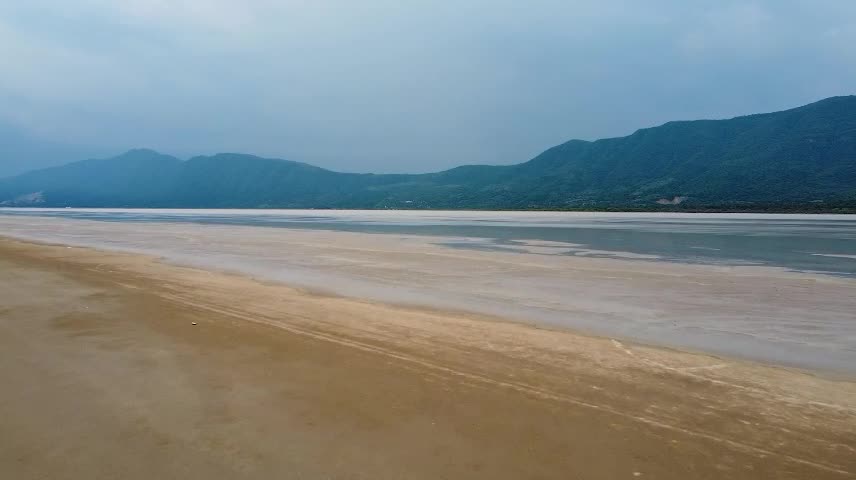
(398, 86)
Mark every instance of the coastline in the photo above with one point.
(764, 314)
(507, 400)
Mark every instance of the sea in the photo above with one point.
(807, 243)
(812, 328)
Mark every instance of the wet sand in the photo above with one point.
(764, 314)
(104, 375)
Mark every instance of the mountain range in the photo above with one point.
(800, 159)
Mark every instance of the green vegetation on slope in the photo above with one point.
(801, 159)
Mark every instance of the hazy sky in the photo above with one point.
(403, 85)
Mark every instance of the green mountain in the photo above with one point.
(799, 159)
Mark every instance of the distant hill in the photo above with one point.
(799, 159)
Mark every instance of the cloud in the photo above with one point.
(737, 29)
(406, 86)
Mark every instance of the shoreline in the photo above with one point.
(516, 322)
(624, 407)
(764, 314)
(797, 210)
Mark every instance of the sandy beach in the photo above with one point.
(105, 375)
(770, 315)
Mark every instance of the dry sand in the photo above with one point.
(104, 375)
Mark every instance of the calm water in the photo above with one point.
(811, 325)
(816, 243)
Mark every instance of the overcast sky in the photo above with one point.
(392, 86)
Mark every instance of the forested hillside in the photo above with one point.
(799, 159)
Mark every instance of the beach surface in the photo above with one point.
(118, 365)
(766, 314)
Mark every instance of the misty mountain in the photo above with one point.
(799, 158)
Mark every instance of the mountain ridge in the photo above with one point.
(802, 158)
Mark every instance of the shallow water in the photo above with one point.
(811, 243)
(545, 268)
